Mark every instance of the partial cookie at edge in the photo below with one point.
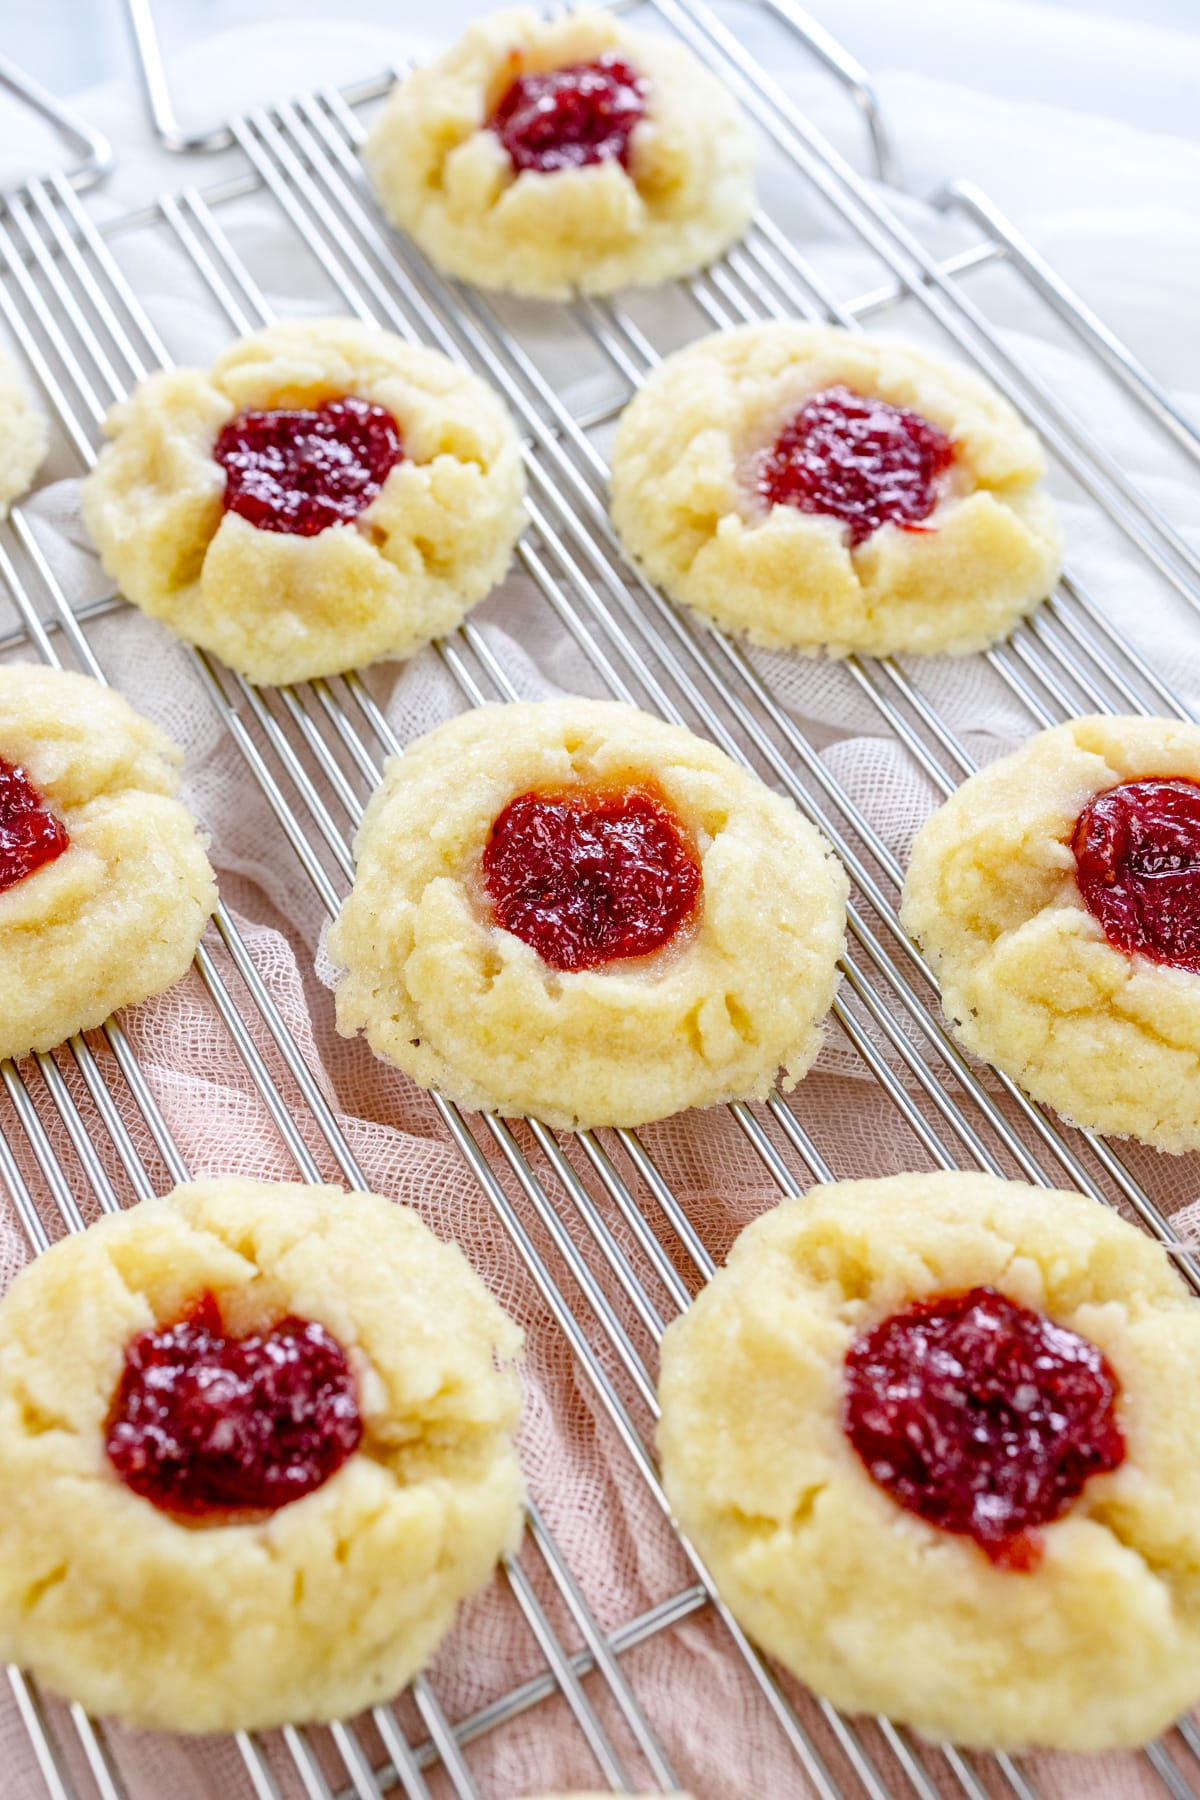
(117, 917)
(446, 179)
(1028, 979)
(23, 435)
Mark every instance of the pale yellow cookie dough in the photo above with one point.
(1029, 980)
(23, 439)
(469, 1009)
(445, 178)
(684, 500)
(877, 1610)
(334, 1601)
(280, 607)
(118, 915)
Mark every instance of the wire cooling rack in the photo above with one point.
(90, 149)
(601, 1235)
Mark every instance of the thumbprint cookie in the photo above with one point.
(572, 910)
(255, 1445)
(938, 1439)
(104, 882)
(324, 496)
(1057, 895)
(545, 155)
(22, 435)
(821, 490)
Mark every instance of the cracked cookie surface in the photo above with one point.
(679, 195)
(688, 496)
(1029, 979)
(327, 1604)
(115, 915)
(285, 603)
(877, 1609)
(473, 1010)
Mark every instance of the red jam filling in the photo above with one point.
(858, 460)
(203, 1423)
(566, 118)
(30, 835)
(585, 878)
(300, 471)
(1137, 861)
(982, 1417)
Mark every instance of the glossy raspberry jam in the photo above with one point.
(566, 118)
(300, 471)
(585, 878)
(858, 460)
(983, 1417)
(30, 835)
(1137, 861)
(207, 1424)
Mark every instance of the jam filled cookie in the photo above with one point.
(822, 490)
(572, 910)
(104, 884)
(1057, 895)
(938, 1439)
(255, 1445)
(324, 496)
(545, 155)
(22, 435)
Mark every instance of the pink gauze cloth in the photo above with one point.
(1138, 265)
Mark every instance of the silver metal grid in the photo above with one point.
(606, 1243)
(91, 150)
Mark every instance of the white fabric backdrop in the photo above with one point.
(1115, 206)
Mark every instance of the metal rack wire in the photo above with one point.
(90, 148)
(604, 1240)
